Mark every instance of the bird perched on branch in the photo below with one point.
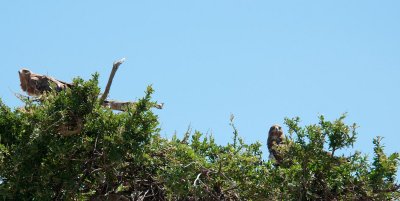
(35, 84)
(275, 139)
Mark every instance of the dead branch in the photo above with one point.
(117, 105)
(116, 64)
(197, 178)
(123, 105)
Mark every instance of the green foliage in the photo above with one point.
(122, 156)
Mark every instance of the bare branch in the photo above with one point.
(197, 178)
(116, 64)
(123, 105)
(117, 105)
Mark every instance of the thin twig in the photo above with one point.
(22, 97)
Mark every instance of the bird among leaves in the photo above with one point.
(275, 139)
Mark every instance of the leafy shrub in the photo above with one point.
(121, 156)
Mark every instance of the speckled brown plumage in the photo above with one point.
(35, 84)
(275, 139)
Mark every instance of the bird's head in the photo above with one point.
(24, 77)
(275, 131)
(24, 72)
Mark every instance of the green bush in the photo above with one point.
(121, 156)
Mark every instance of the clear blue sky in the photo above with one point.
(259, 60)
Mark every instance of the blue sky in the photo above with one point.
(259, 60)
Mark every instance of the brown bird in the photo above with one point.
(275, 139)
(35, 84)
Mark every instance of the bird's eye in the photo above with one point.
(280, 128)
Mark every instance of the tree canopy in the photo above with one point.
(121, 156)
